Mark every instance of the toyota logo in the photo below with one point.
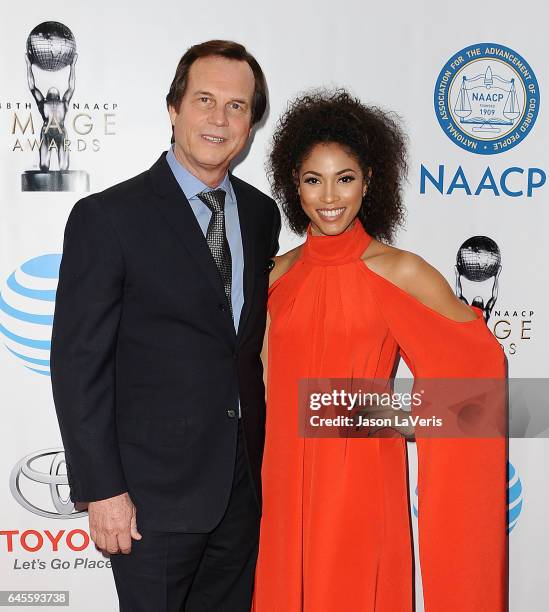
(39, 481)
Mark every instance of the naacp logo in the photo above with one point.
(39, 483)
(486, 98)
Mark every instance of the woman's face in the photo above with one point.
(331, 188)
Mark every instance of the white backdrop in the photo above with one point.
(389, 54)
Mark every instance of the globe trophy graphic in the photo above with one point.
(478, 260)
(51, 47)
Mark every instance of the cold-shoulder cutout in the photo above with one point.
(283, 264)
(424, 285)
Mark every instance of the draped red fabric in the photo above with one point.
(336, 531)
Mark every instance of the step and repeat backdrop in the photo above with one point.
(82, 107)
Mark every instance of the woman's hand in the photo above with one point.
(383, 412)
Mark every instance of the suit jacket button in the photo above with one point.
(231, 413)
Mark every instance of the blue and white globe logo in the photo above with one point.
(486, 98)
(27, 303)
(514, 497)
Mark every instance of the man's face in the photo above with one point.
(213, 121)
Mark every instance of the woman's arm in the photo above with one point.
(265, 352)
(461, 480)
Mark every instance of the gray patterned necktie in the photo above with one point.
(217, 239)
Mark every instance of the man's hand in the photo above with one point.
(113, 524)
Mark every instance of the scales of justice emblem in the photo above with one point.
(51, 48)
(488, 103)
(486, 98)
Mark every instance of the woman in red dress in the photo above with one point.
(335, 531)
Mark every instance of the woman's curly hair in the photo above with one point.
(370, 134)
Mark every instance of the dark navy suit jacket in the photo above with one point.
(146, 365)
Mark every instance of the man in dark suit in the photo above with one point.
(156, 370)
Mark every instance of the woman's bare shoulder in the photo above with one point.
(397, 265)
(415, 276)
(283, 263)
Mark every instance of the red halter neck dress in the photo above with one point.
(335, 530)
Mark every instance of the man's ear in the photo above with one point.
(173, 114)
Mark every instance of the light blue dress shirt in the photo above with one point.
(191, 187)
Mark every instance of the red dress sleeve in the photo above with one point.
(461, 481)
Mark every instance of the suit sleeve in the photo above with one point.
(461, 481)
(87, 314)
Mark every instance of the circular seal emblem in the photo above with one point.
(486, 98)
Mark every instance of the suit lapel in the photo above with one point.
(246, 218)
(176, 210)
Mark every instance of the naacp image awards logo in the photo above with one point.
(51, 48)
(479, 261)
(50, 126)
(477, 273)
(486, 98)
